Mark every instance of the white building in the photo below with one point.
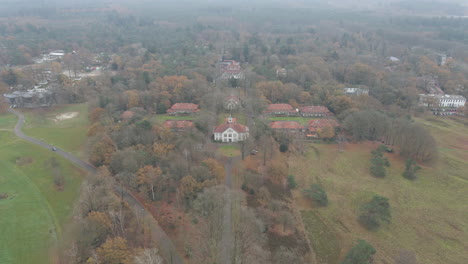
(394, 59)
(438, 100)
(231, 131)
(356, 91)
(232, 103)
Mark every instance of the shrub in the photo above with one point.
(292, 181)
(361, 253)
(378, 164)
(411, 169)
(283, 147)
(318, 194)
(375, 212)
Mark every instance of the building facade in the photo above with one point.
(444, 101)
(281, 110)
(287, 126)
(178, 125)
(230, 132)
(356, 91)
(33, 98)
(315, 111)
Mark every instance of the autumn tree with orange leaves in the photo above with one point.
(148, 177)
(101, 152)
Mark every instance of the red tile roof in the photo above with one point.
(232, 97)
(324, 122)
(236, 127)
(274, 107)
(280, 108)
(316, 109)
(230, 65)
(178, 124)
(181, 107)
(286, 125)
(127, 114)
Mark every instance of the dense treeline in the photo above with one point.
(412, 139)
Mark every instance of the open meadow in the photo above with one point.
(33, 208)
(62, 126)
(428, 214)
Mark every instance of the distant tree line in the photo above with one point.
(412, 139)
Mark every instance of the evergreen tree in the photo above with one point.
(375, 212)
(378, 164)
(292, 181)
(318, 194)
(411, 169)
(361, 253)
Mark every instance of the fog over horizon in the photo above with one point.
(436, 7)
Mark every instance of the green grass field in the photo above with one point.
(323, 239)
(301, 120)
(428, 214)
(35, 210)
(229, 150)
(68, 135)
(161, 118)
(7, 121)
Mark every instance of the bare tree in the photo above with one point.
(148, 256)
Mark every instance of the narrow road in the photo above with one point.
(166, 247)
(227, 239)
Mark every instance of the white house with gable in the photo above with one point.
(231, 131)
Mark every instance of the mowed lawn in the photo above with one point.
(35, 210)
(428, 214)
(7, 121)
(232, 150)
(301, 120)
(69, 134)
(161, 118)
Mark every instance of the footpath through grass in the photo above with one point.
(68, 134)
(428, 214)
(35, 210)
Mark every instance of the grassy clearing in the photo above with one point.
(324, 241)
(229, 150)
(161, 118)
(301, 120)
(428, 215)
(34, 212)
(68, 135)
(7, 121)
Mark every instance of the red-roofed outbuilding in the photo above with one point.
(280, 110)
(317, 124)
(183, 109)
(318, 111)
(286, 126)
(178, 125)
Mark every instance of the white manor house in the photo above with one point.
(231, 131)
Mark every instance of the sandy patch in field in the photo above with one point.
(66, 116)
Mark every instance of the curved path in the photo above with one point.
(166, 247)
